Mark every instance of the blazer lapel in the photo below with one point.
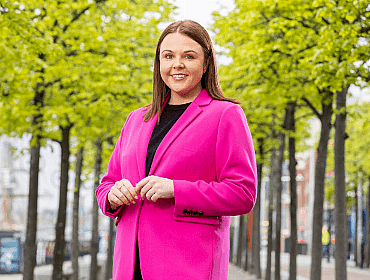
(144, 135)
(191, 113)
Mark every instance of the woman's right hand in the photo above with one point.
(122, 193)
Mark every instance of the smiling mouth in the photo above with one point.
(180, 76)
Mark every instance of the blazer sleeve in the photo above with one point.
(235, 189)
(113, 175)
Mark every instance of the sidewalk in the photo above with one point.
(235, 273)
(44, 272)
(303, 269)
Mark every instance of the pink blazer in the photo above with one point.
(209, 155)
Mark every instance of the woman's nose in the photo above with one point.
(178, 63)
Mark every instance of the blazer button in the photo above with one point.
(190, 212)
(201, 213)
(185, 211)
(195, 212)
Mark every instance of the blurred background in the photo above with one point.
(71, 71)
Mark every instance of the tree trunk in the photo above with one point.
(360, 219)
(231, 251)
(75, 226)
(330, 223)
(270, 213)
(240, 241)
(341, 238)
(367, 247)
(30, 242)
(356, 225)
(293, 193)
(317, 222)
(95, 214)
(62, 211)
(109, 260)
(279, 185)
(246, 242)
(256, 241)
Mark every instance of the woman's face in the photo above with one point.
(182, 67)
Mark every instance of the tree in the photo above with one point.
(109, 261)
(279, 187)
(356, 161)
(75, 213)
(340, 189)
(293, 190)
(256, 242)
(17, 46)
(267, 71)
(272, 38)
(75, 56)
(94, 245)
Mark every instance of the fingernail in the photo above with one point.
(136, 197)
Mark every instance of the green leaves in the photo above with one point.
(90, 61)
(289, 50)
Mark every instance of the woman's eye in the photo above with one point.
(168, 56)
(188, 56)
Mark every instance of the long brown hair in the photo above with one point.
(209, 80)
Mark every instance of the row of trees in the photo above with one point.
(292, 61)
(72, 70)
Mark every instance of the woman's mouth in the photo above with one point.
(179, 76)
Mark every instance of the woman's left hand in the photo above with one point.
(154, 187)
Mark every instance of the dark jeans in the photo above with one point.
(325, 251)
(137, 271)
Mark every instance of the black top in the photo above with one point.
(169, 116)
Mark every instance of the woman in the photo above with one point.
(180, 168)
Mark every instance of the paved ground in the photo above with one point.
(44, 272)
(303, 263)
(235, 273)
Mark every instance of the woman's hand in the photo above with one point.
(122, 193)
(154, 187)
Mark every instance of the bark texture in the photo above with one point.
(31, 230)
(246, 242)
(75, 222)
(341, 238)
(367, 245)
(109, 260)
(59, 248)
(279, 187)
(293, 193)
(30, 242)
(95, 215)
(317, 222)
(256, 240)
(270, 213)
(356, 225)
(240, 241)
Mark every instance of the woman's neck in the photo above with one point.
(179, 98)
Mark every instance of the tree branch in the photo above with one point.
(53, 82)
(301, 22)
(325, 20)
(304, 116)
(309, 104)
(76, 17)
(79, 14)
